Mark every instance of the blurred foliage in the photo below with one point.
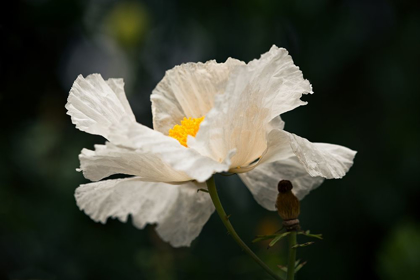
(399, 257)
(127, 22)
(362, 59)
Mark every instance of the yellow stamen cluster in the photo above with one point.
(188, 126)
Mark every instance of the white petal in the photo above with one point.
(179, 210)
(196, 166)
(255, 94)
(95, 105)
(109, 159)
(278, 80)
(187, 216)
(117, 85)
(263, 180)
(188, 90)
(278, 146)
(276, 123)
(321, 159)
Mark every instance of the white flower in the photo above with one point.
(241, 133)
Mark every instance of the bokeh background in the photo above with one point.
(362, 58)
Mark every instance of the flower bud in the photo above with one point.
(288, 205)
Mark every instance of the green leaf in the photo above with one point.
(302, 245)
(263, 237)
(282, 267)
(298, 267)
(308, 234)
(278, 237)
(283, 271)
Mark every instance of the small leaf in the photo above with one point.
(282, 227)
(299, 267)
(283, 271)
(278, 237)
(302, 245)
(282, 267)
(308, 234)
(263, 237)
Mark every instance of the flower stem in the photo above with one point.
(292, 256)
(225, 219)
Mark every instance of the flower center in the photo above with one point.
(188, 126)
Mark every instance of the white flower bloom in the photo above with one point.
(231, 124)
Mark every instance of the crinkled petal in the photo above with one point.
(322, 159)
(278, 146)
(278, 80)
(187, 216)
(179, 211)
(188, 90)
(117, 85)
(319, 159)
(196, 166)
(276, 123)
(255, 94)
(109, 159)
(95, 104)
(262, 181)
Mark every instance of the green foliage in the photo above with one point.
(308, 233)
(302, 245)
(277, 237)
(298, 266)
(399, 256)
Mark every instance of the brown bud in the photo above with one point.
(284, 186)
(287, 204)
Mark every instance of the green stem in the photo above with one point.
(225, 219)
(292, 256)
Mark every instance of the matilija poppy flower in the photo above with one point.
(207, 118)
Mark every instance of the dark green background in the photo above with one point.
(362, 58)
